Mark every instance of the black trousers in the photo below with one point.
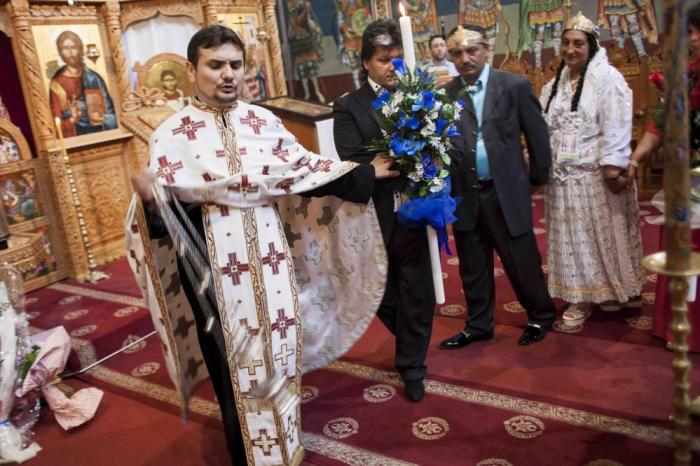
(521, 260)
(409, 299)
(219, 375)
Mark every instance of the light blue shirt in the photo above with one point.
(477, 92)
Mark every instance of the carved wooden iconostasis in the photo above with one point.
(88, 67)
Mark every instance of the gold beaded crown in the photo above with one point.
(581, 23)
(463, 36)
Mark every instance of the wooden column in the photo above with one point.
(35, 95)
(273, 42)
(112, 11)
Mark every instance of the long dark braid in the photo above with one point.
(593, 49)
(593, 46)
(555, 86)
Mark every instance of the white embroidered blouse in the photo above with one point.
(599, 132)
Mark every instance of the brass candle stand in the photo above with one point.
(677, 261)
(680, 328)
(93, 275)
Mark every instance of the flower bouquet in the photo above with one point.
(417, 123)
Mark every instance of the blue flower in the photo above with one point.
(412, 146)
(440, 125)
(381, 99)
(399, 66)
(430, 171)
(412, 123)
(426, 101)
(397, 145)
(452, 131)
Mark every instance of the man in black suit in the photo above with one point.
(491, 176)
(409, 300)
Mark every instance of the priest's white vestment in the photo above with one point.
(304, 276)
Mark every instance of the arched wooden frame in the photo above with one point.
(139, 11)
(142, 71)
(14, 132)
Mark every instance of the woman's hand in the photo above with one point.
(615, 178)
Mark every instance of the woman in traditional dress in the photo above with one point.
(594, 248)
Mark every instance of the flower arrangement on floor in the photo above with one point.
(417, 123)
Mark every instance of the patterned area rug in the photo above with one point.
(598, 397)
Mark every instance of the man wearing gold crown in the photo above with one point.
(256, 272)
(481, 15)
(489, 174)
(594, 245)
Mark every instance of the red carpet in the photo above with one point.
(600, 396)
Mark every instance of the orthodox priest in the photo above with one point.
(279, 268)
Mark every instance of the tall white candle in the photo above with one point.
(409, 54)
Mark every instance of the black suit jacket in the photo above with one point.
(354, 127)
(510, 109)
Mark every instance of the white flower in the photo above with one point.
(415, 176)
(386, 110)
(428, 130)
(437, 185)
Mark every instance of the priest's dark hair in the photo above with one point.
(382, 33)
(593, 48)
(210, 37)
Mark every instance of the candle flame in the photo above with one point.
(402, 9)
(57, 120)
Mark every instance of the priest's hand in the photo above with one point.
(382, 167)
(143, 183)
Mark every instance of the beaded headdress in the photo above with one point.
(581, 23)
(463, 36)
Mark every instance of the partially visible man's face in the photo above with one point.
(380, 68)
(694, 40)
(217, 74)
(438, 49)
(470, 59)
(70, 53)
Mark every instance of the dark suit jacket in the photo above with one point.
(354, 127)
(510, 109)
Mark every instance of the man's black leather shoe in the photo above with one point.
(532, 334)
(415, 389)
(465, 337)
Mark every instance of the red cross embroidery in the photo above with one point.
(207, 178)
(273, 258)
(167, 170)
(302, 162)
(254, 122)
(189, 128)
(282, 324)
(220, 154)
(285, 185)
(242, 151)
(224, 210)
(322, 165)
(244, 187)
(266, 170)
(234, 268)
(279, 153)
